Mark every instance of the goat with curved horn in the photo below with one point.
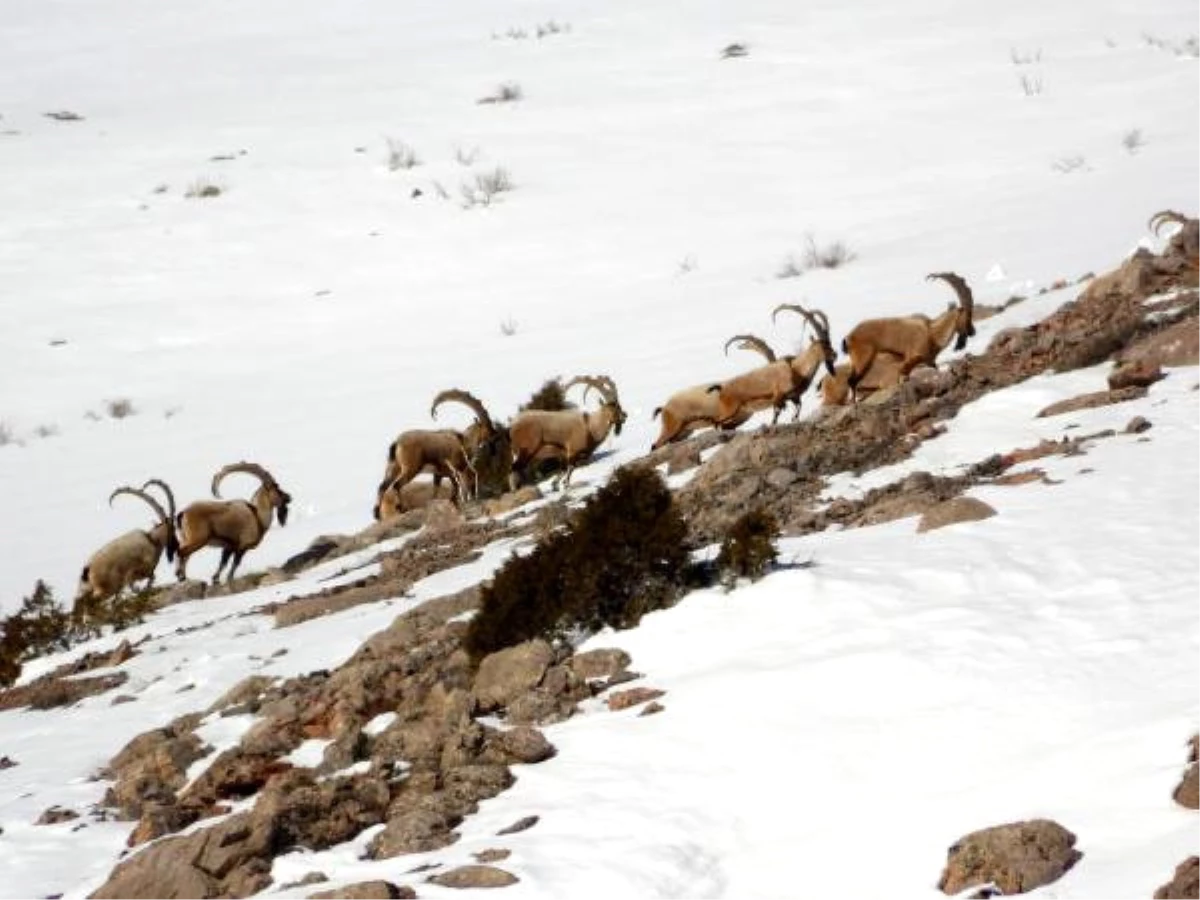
(236, 526)
(569, 435)
(915, 339)
(442, 452)
(779, 382)
(1186, 240)
(694, 408)
(167, 492)
(127, 559)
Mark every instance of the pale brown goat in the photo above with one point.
(569, 435)
(1188, 236)
(440, 452)
(779, 382)
(884, 372)
(695, 408)
(236, 526)
(913, 339)
(127, 559)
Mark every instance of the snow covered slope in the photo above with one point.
(855, 717)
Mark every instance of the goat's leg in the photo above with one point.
(226, 553)
(237, 559)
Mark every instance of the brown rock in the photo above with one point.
(442, 515)
(425, 823)
(601, 663)
(509, 673)
(959, 509)
(474, 877)
(1016, 858)
(1178, 345)
(1018, 478)
(1137, 425)
(7, 762)
(1134, 374)
(1184, 884)
(652, 708)
(244, 694)
(366, 890)
(307, 879)
(1092, 401)
(506, 503)
(50, 693)
(492, 855)
(1187, 794)
(522, 824)
(56, 814)
(526, 745)
(150, 768)
(619, 700)
(159, 819)
(681, 457)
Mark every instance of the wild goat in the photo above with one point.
(487, 445)
(131, 557)
(884, 372)
(914, 339)
(1188, 236)
(778, 382)
(236, 526)
(414, 495)
(413, 452)
(695, 408)
(570, 435)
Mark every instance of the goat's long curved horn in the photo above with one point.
(1164, 217)
(469, 400)
(142, 495)
(166, 490)
(751, 342)
(248, 467)
(965, 298)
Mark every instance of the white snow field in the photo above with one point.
(830, 730)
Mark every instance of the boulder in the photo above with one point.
(619, 700)
(952, 512)
(1134, 374)
(477, 876)
(1184, 883)
(522, 824)
(507, 674)
(1092, 401)
(1186, 793)
(1016, 858)
(1177, 345)
(600, 663)
(366, 890)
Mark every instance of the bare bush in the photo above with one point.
(1132, 140)
(440, 190)
(1068, 164)
(508, 92)
(734, 51)
(203, 189)
(400, 155)
(551, 27)
(45, 431)
(6, 435)
(465, 157)
(686, 265)
(789, 268)
(486, 187)
(1025, 57)
(1031, 85)
(832, 256)
(508, 327)
(119, 408)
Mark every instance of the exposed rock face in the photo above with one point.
(632, 697)
(510, 673)
(479, 876)
(1134, 374)
(952, 512)
(1186, 794)
(1184, 884)
(600, 663)
(51, 691)
(152, 767)
(56, 814)
(1016, 858)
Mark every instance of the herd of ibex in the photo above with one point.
(881, 353)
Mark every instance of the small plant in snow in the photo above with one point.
(440, 190)
(465, 157)
(833, 256)
(1190, 47)
(400, 155)
(686, 265)
(1132, 140)
(508, 92)
(789, 268)
(1025, 58)
(486, 187)
(161, 188)
(45, 431)
(6, 435)
(734, 51)
(508, 327)
(1069, 164)
(203, 189)
(120, 408)
(512, 34)
(1031, 85)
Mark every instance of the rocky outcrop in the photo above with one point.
(954, 512)
(1016, 858)
(1186, 794)
(477, 876)
(1185, 883)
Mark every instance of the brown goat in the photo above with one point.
(695, 408)
(413, 452)
(131, 557)
(779, 382)
(236, 526)
(570, 435)
(487, 445)
(914, 339)
(884, 372)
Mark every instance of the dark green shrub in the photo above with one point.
(39, 627)
(549, 396)
(621, 556)
(748, 550)
(492, 460)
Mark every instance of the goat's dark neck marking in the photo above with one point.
(257, 522)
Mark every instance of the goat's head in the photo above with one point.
(163, 533)
(820, 324)
(277, 496)
(965, 324)
(607, 389)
